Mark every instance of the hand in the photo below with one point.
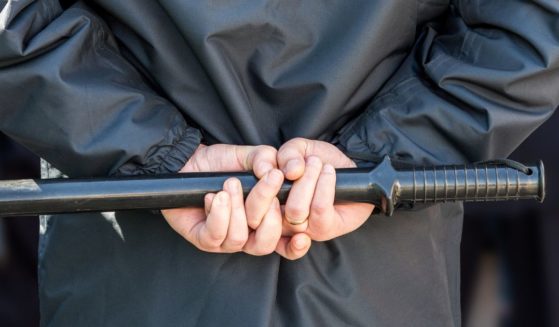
(223, 225)
(310, 205)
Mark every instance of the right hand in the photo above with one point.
(310, 206)
(228, 223)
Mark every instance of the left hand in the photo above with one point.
(222, 226)
(310, 205)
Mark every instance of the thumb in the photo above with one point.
(291, 157)
(295, 247)
(260, 159)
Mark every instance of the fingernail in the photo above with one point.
(274, 177)
(292, 165)
(265, 167)
(300, 243)
(233, 186)
(328, 168)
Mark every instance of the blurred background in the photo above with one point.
(510, 250)
(19, 305)
(510, 264)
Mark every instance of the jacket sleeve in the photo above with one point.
(70, 97)
(476, 84)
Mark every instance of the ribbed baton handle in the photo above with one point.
(478, 182)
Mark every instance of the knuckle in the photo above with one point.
(215, 238)
(237, 242)
(207, 246)
(235, 247)
(253, 221)
(297, 140)
(263, 192)
(262, 250)
(319, 209)
(292, 143)
(230, 248)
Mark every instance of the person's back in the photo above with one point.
(134, 88)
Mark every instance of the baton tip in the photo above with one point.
(541, 189)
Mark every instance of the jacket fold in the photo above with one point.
(477, 82)
(69, 96)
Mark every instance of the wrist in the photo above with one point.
(192, 164)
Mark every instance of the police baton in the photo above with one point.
(384, 186)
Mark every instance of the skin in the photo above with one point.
(258, 225)
(222, 226)
(310, 205)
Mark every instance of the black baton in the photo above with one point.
(383, 185)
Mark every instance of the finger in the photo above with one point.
(263, 161)
(329, 153)
(351, 216)
(300, 196)
(291, 157)
(208, 199)
(265, 239)
(261, 196)
(322, 216)
(298, 147)
(185, 221)
(260, 159)
(213, 232)
(295, 247)
(237, 233)
(289, 229)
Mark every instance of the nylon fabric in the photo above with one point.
(132, 87)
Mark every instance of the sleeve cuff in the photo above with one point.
(169, 157)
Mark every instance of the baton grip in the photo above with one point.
(479, 182)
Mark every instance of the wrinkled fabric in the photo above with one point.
(70, 96)
(132, 87)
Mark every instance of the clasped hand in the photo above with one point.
(258, 225)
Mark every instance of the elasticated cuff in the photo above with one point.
(167, 157)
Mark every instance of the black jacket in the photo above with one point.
(132, 87)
